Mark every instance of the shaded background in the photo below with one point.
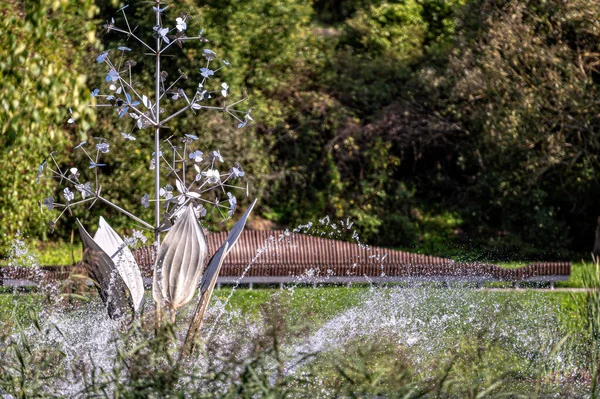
(443, 126)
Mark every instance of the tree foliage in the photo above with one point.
(41, 78)
(469, 123)
(522, 80)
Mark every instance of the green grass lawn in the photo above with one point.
(48, 253)
(308, 304)
(317, 305)
(575, 280)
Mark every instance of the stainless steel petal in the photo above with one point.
(180, 262)
(196, 323)
(113, 245)
(214, 267)
(111, 286)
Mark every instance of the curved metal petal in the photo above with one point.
(113, 245)
(110, 284)
(214, 266)
(196, 323)
(210, 278)
(180, 262)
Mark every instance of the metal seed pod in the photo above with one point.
(180, 262)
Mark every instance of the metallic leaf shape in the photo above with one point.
(111, 286)
(214, 267)
(121, 255)
(180, 262)
(216, 262)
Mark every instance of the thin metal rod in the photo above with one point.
(184, 161)
(96, 195)
(171, 86)
(171, 43)
(175, 114)
(159, 311)
(157, 135)
(132, 35)
(213, 107)
(139, 97)
(237, 102)
(123, 211)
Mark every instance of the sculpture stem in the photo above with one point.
(157, 156)
(196, 324)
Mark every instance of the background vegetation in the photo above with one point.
(442, 125)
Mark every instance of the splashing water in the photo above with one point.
(20, 255)
(428, 317)
(427, 323)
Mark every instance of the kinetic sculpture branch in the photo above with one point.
(197, 181)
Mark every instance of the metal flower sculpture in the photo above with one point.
(193, 174)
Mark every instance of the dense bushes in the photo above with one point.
(495, 119)
(40, 78)
(521, 80)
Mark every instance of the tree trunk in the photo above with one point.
(596, 250)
